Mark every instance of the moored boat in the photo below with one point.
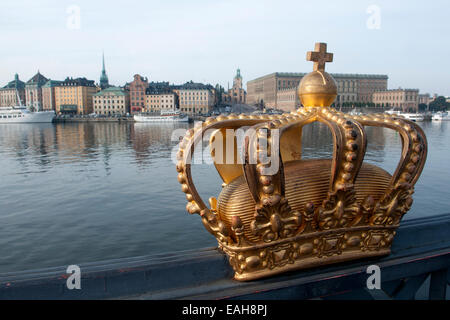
(407, 115)
(354, 112)
(413, 116)
(441, 116)
(165, 116)
(21, 114)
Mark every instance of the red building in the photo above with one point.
(137, 93)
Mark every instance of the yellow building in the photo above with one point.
(195, 98)
(112, 101)
(158, 101)
(75, 96)
(48, 95)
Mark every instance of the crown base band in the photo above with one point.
(311, 263)
(309, 250)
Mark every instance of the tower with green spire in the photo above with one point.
(104, 83)
(238, 73)
(237, 81)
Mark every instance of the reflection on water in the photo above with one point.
(81, 192)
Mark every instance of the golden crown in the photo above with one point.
(303, 213)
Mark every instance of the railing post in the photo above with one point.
(438, 285)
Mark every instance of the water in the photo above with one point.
(84, 192)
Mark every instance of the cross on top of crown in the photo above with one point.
(320, 56)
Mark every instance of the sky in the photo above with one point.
(207, 40)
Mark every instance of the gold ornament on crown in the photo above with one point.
(309, 212)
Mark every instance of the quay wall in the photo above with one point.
(106, 119)
(195, 117)
(420, 249)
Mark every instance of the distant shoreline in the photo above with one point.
(103, 119)
(110, 119)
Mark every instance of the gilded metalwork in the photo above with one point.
(318, 88)
(308, 212)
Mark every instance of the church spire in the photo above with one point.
(238, 73)
(103, 62)
(237, 81)
(103, 78)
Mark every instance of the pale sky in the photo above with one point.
(207, 40)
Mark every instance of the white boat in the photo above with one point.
(441, 116)
(21, 114)
(413, 116)
(354, 112)
(407, 115)
(165, 116)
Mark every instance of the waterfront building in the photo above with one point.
(33, 91)
(112, 100)
(8, 94)
(159, 97)
(404, 99)
(347, 87)
(48, 95)
(137, 89)
(237, 94)
(104, 82)
(157, 102)
(287, 99)
(433, 97)
(195, 98)
(352, 88)
(75, 96)
(219, 91)
(368, 84)
(424, 98)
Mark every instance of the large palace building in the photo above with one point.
(404, 99)
(278, 90)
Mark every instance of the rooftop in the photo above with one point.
(396, 90)
(193, 86)
(16, 83)
(38, 79)
(158, 87)
(51, 83)
(111, 91)
(77, 82)
(335, 75)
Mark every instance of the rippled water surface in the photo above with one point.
(83, 192)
